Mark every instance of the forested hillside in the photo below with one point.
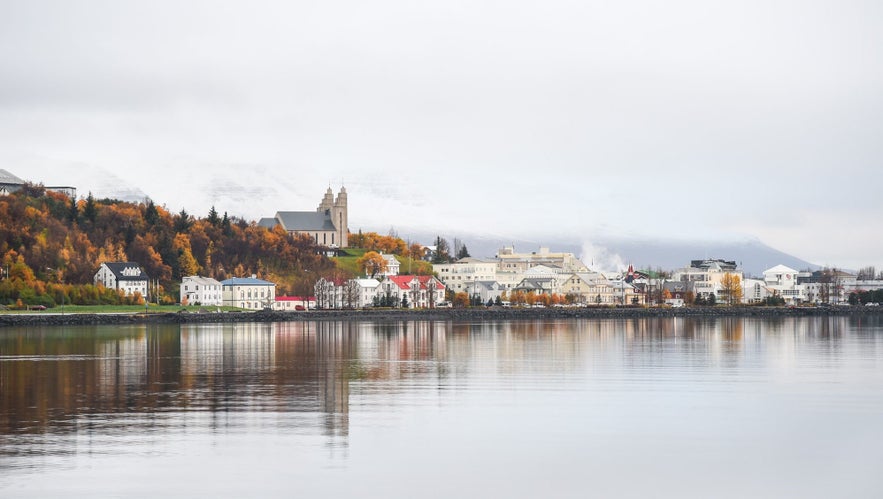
(51, 245)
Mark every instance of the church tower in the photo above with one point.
(336, 210)
(341, 218)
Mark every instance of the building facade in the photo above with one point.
(249, 293)
(196, 290)
(124, 276)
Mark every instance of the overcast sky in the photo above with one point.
(669, 119)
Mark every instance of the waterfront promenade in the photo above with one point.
(440, 314)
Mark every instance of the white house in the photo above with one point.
(392, 265)
(417, 291)
(249, 293)
(486, 290)
(782, 280)
(124, 276)
(754, 290)
(196, 290)
(368, 289)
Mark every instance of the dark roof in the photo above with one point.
(724, 264)
(305, 221)
(118, 267)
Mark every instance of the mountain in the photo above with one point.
(253, 191)
(609, 253)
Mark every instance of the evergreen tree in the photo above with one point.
(90, 211)
(182, 221)
(213, 217)
(225, 225)
(74, 212)
(463, 253)
(151, 214)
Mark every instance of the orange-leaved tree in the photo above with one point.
(373, 263)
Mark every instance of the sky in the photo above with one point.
(648, 119)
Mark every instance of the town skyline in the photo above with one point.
(673, 121)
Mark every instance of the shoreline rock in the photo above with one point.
(450, 314)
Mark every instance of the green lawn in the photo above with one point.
(348, 263)
(119, 309)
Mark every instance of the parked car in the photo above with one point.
(38, 307)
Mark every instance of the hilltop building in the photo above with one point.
(9, 183)
(124, 276)
(327, 225)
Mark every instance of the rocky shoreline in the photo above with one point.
(452, 315)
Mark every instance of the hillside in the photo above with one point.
(47, 238)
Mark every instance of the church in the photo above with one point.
(327, 225)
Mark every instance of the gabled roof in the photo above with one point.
(404, 281)
(205, 281)
(488, 285)
(780, 269)
(8, 178)
(118, 269)
(367, 283)
(303, 221)
(246, 281)
(591, 278)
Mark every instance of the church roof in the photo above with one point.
(8, 178)
(304, 221)
(269, 223)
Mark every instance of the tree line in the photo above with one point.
(52, 246)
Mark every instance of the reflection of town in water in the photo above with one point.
(58, 381)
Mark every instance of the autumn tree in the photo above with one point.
(731, 286)
(373, 262)
(461, 300)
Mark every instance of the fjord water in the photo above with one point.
(789, 407)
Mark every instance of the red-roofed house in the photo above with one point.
(292, 303)
(415, 291)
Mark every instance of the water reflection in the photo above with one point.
(121, 390)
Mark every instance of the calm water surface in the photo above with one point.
(581, 408)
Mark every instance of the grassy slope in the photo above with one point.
(348, 263)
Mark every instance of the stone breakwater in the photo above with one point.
(453, 315)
